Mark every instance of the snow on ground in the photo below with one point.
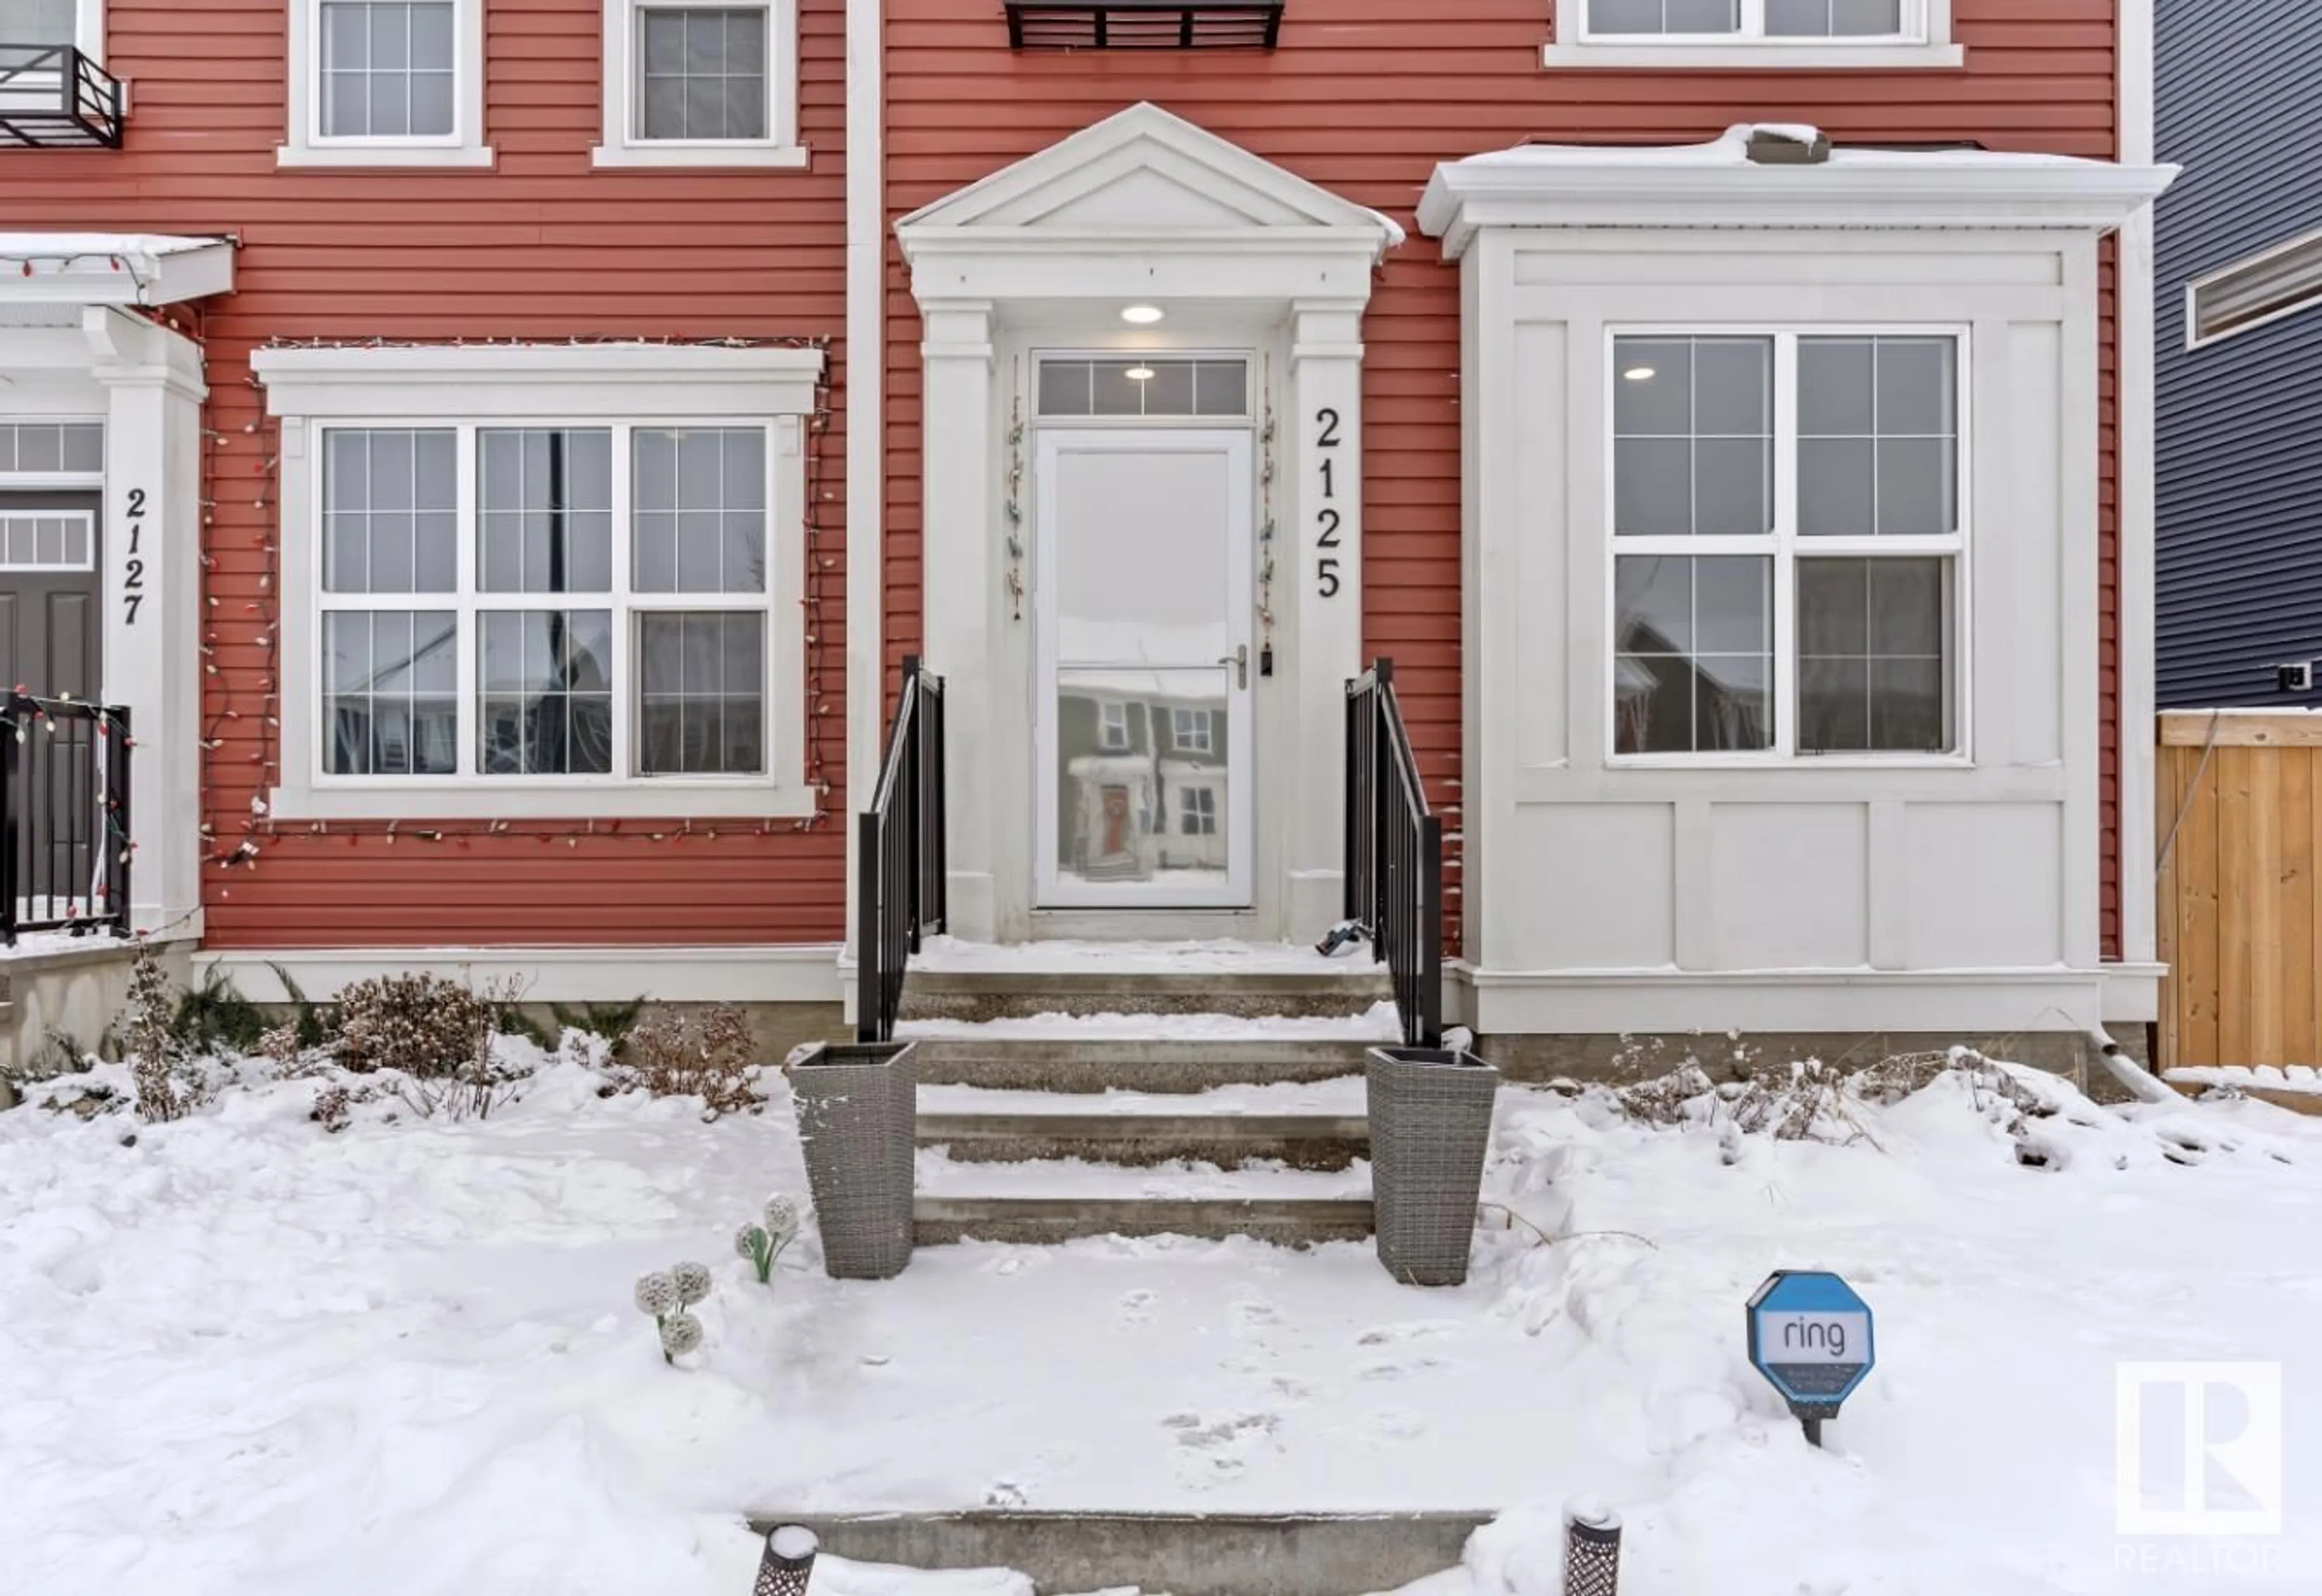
(244, 1356)
(1210, 956)
(1376, 1023)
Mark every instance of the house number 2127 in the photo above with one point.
(132, 574)
(1326, 438)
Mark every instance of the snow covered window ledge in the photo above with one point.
(1780, 35)
(543, 581)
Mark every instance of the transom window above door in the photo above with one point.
(1144, 386)
(1787, 521)
(701, 83)
(1788, 33)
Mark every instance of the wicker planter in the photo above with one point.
(858, 1118)
(1431, 1112)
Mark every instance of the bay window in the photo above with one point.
(1787, 530)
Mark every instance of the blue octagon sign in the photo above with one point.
(1810, 1336)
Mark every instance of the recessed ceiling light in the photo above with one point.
(1138, 374)
(1140, 315)
(1639, 374)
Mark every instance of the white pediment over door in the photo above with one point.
(1143, 177)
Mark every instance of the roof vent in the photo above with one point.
(1788, 146)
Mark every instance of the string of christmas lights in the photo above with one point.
(261, 831)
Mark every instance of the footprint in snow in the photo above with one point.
(1136, 1307)
(1003, 1493)
(1396, 1368)
(1210, 1451)
(1410, 1330)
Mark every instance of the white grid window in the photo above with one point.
(1743, 20)
(388, 68)
(1188, 730)
(545, 602)
(1787, 529)
(1197, 811)
(701, 83)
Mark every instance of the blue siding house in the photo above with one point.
(2238, 289)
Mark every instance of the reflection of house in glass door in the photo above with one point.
(1144, 782)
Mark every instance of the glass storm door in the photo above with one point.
(1142, 594)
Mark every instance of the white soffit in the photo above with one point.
(1144, 180)
(111, 267)
(1717, 185)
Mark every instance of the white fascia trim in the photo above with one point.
(88, 268)
(779, 148)
(866, 358)
(805, 972)
(303, 143)
(1755, 56)
(489, 381)
(2086, 195)
(2139, 335)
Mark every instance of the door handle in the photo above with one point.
(1239, 661)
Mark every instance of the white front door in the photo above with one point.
(1141, 588)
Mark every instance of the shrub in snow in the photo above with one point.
(424, 1025)
(167, 1086)
(666, 1294)
(704, 1052)
(761, 1243)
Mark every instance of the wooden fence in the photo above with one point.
(2241, 832)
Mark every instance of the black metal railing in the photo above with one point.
(53, 96)
(1395, 855)
(64, 816)
(900, 855)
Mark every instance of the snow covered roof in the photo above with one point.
(111, 267)
(1717, 184)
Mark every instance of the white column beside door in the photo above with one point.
(958, 584)
(1319, 549)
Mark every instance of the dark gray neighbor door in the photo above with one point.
(51, 638)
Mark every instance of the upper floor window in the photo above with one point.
(386, 83)
(2254, 290)
(1787, 33)
(701, 83)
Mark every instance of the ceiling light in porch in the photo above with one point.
(1639, 374)
(1138, 374)
(1140, 315)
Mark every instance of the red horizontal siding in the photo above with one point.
(1365, 97)
(544, 246)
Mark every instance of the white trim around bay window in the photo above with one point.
(701, 83)
(386, 83)
(1788, 528)
(1786, 35)
(543, 581)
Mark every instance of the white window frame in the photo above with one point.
(1180, 719)
(463, 146)
(481, 387)
(1112, 726)
(622, 144)
(1786, 545)
(2196, 338)
(1925, 41)
(87, 522)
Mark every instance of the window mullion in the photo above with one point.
(1754, 18)
(468, 639)
(1785, 530)
(627, 686)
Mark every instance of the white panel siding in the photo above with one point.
(1792, 886)
(1597, 890)
(1986, 884)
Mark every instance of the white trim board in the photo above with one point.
(801, 974)
(865, 375)
(2137, 535)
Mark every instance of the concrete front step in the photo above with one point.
(980, 995)
(1284, 1221)
(1185, 1554)
(1302, 1141)
(1152, 1064)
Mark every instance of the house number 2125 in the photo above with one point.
(132, 574)
(1326, 438)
